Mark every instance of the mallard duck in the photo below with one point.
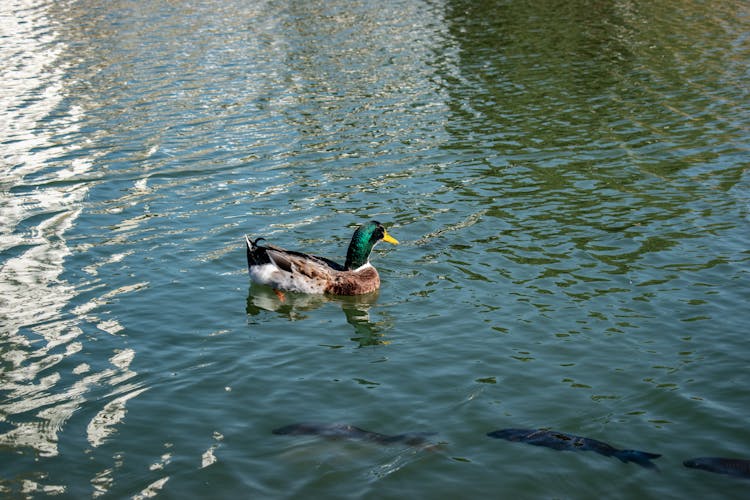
(287, 270)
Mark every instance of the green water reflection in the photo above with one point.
(294, 306)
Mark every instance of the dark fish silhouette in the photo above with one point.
(731, 466)
(561, 441)
(345, 431)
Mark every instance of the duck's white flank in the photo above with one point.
(269, 274)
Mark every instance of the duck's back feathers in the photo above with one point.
(259, 255)
(285, 259)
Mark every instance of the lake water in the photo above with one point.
(569, 182)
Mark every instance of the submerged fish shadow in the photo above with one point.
(419, 440)
(737, 467)
(556, 440)
(295, 306)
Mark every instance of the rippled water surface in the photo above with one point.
(568, 180)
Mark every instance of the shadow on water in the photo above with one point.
(295, 306)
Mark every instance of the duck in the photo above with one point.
(292, 271)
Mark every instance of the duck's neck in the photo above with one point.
(359, 252)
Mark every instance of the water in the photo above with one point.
(569, 182)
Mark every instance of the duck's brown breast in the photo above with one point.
(354, 283)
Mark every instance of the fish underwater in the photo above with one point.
(561, 441)
(345, 431)
(731, 466)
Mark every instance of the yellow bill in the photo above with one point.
(390, 239)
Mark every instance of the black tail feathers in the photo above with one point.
(256, 255)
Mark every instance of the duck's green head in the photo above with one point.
(364, 239)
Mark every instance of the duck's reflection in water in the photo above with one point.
(295, 306)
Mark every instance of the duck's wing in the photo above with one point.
(305, 264)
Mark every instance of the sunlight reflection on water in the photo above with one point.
(38, 336)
